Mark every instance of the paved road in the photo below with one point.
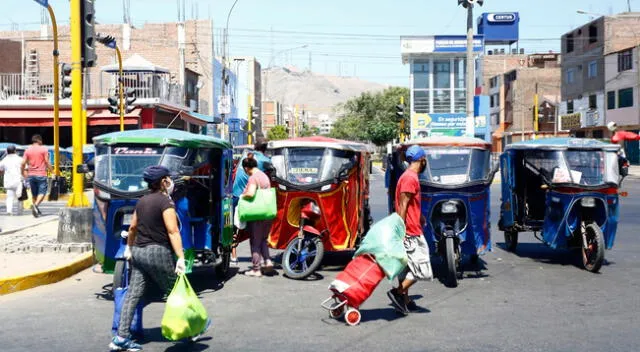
(537, 300)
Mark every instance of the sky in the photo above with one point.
(342, 37)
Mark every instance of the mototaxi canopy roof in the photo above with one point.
(162, 136)
(563, 144)
(448, 141)
(320, 142)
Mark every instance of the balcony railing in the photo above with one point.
(15, 86)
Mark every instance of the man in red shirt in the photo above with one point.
(407, 205)
(37, 157)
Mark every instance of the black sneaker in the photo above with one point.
(34, 211)
(412, 306)
(397, 300)
(38, 210)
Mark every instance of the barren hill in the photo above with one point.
(319, 93)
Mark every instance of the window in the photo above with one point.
(571, 75)
(493, 82)
(570, 107)
(598, 134)
(593, 69)
(625, 98)
(420, 75)
(611, 100)
(460, 70)
(593, 102)
(442, 74)
(625, 60)
(569, 43)
(593, 33)
(421, 101)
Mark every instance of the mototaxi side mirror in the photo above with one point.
(82, 169)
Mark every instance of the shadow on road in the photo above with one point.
(470, 269)
(155, 335)
(542, 253)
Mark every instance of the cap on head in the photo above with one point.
(612, 126)
(414, 153)
(155, 173)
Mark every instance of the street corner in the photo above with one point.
(60, 267)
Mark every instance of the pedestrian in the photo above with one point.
(241, 180)
(407, 205)
(152, 240)
(258, 230)
(11, 166)
(36, 157)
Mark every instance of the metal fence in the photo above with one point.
(146, 85)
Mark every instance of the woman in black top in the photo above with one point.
(153, 234)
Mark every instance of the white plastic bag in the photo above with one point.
(236, 221)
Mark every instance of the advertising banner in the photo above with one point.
(456, 44)
(425, 125)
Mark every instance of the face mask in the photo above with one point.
(170, 187)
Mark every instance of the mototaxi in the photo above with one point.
(322, 187)
(565, 191)
(455, 194)
(201, 168)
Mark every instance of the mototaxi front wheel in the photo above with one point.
(593, 253)
(118, 274)
(222, 270)
(302, 257)
(511, 240)
(452, 272)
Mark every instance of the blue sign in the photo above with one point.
(456, 44)
(501, 28)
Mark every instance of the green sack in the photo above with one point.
(184, 315)
(263, 206)
(385, 241)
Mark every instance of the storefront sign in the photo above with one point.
(425, 125)
(570, 122)
(502, 17)
(456, 44)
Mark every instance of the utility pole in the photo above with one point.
(535, 111)
(470, 65)
(629, 5)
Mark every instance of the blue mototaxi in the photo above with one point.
(567, 190)
(455, 197)
(202, 168)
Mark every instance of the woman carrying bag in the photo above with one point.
(258, 229)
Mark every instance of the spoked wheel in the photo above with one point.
(352, 316)
(302, 257)
(452, 272)
(511, 240)
(222, 270)
(593, 248)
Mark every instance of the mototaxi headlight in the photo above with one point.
(315, 208)
(588, 202)
(449, 208)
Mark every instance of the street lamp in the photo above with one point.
(110, 42)
(224, 63)
(469, 4)
(266, 77)
(56, 89)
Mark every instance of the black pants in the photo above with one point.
(152, 263)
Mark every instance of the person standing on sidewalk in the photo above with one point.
(408, 206)
(242, 178)
(258, 230)
(153, 239)
(37, 158)
(11, 166)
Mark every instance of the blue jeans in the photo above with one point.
(38, 184)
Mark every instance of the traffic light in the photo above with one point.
(66, 81)
(400, 112)
(114, 105)
(129, 99)
(88, 46)
(255, 113)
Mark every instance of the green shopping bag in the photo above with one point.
(184, 315)
(263, 206)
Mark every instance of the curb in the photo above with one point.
(43, 221)
(21, 283)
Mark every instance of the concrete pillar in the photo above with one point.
(74, 225)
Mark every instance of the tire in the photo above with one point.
(592, 259)
(452, 272)
(222, 270)
(352, 317)
(336, 313)
(118, 274)
(296, 266)
(511, 240)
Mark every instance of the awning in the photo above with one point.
(44, 118)
(135, 63)
(207, 118)
(187, 116)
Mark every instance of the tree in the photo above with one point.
(309, 131)
(277, 133)
(371, 116)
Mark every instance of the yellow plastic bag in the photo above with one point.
(184, 315)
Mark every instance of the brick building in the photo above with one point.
(512, 100)
(168, 65)
(271, 115)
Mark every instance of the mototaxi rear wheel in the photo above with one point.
(511, 240)
(302, 257)
(222, 270)
(118, 274)
(593, 254)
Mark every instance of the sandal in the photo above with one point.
(253, 272)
